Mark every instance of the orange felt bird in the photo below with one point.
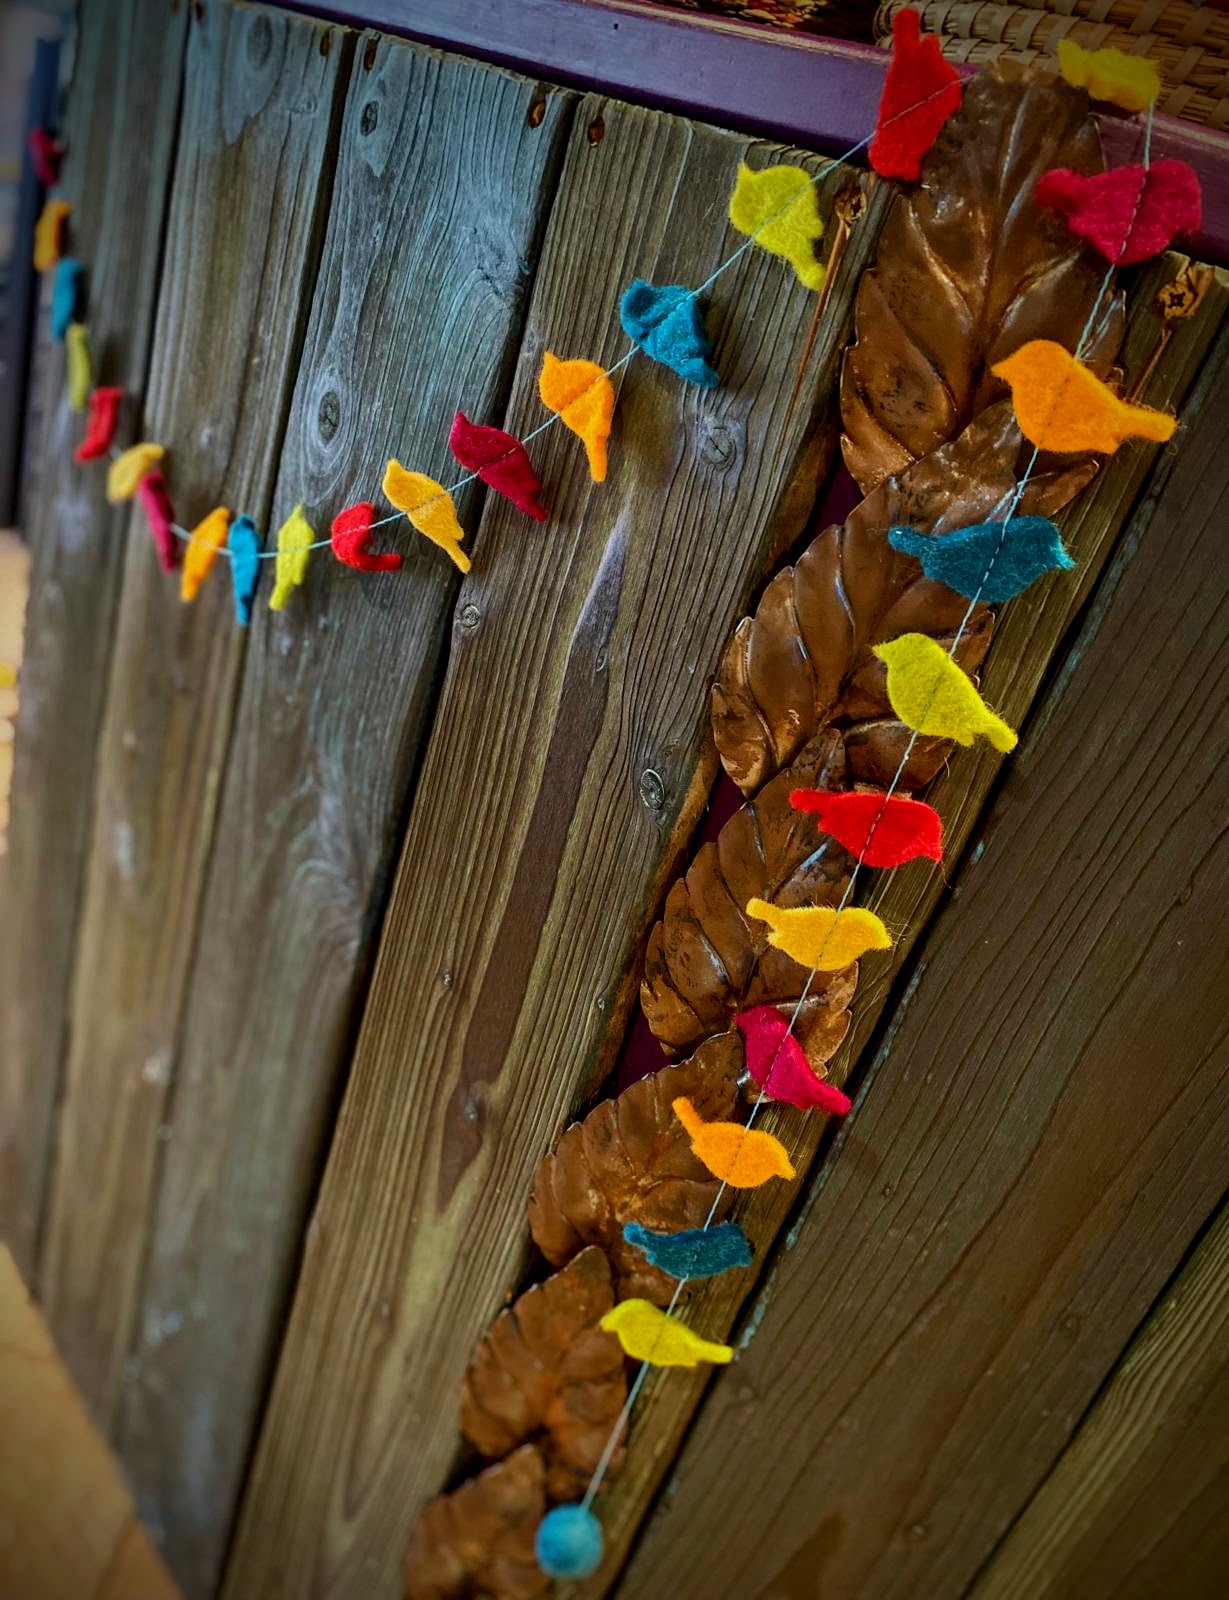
(1062, 406)
(742, 1157)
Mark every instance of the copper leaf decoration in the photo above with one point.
(969, 267)
(547, 1372)
(477, 1543)
(630, 1160)
(706, 959)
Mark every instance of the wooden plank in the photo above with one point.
(445, 174)
(254, 150)
(567, 765)
(1138, 1504)
(1045, 1129)
(1026, 635)
(120, 130)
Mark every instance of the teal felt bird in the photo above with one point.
(243, 543)
(992, 560)
(693, 1253)
(668, 325)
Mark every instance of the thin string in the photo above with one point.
(1080, 348)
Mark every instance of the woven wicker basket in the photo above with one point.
(1195, 77)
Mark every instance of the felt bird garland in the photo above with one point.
(100, 424)
(820, 937)
(350, 531)
(991, 561)
(1062, 406)
(880, 830)
(77, 355)
(201, 550)
(581, 395)
(295, 538)
(500, 461)
(155, 501)
(931, 695)
(742, 1157)
(667, 324)
(129, 467)
(1131, 82)
(779, 209)
(244, 543)
(778, 1064)
(692, 1252)
(65, 295)
(429, 507)
(1129, 214)
(648, 1334)
(49, 234)
(920, 93)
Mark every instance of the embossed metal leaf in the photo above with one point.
(804, 660)
(546, 1372)
(706, 959)
(477, 1543)
(969, 267)
(630, 1160)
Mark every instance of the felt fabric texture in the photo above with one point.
(742, 1157)
(46, 153)
(100, 424)
(80, 375)
(569, 1542)
(991, 561)
(1129, 214)
(129, 467)
(49, 234)
(66, 289)
(1131, 82)
(582, 396)
(693, 1252)
(201, 550)
(820, 937)
(429, 507)
(155, 501)
(778, 1064)
(500, 461)
(931, 695)
(294, 540)
(1062, 406)
(920, 92)
(648, 1334)
(779, 209)
(244, 544)
(880, 830)
(350, 532)
(668, 325)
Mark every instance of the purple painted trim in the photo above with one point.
(818, 93)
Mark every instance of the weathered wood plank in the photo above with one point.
(245, 212)
(1138, 1504)
(566, 767)
(445, 174)
(120, 128)
(1045, 1128)
(1026, 635)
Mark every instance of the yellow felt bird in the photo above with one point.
(742, 1157)
(818, 936)
(295, 538)
(1132, 82)
(49, 234)
(129, 467)
(779, 209)
(649, 1334)
(1062, 406)
(77, 355)
(931, 695)
(429, 507)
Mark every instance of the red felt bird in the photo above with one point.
(880, 830)
(155, 501)
(100, 424)
(350, 531)
(778, 1064)
(919, 94)
(1129, 214)
(501, 461)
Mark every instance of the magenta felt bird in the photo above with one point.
(1128, 214)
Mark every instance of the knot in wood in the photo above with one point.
(259, 40)
(369, 118)
(718, 446)
(469, 617)
(328, 416)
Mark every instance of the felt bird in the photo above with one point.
(668, 325)
(931, 695)
(649, 1334)
(244, 543)
(46, 153)
(65, 295)
(880, 830)
(429, 507)
(100, 424)
(500, 461)
(582, 397)
(77, 356)
(819, 937)
(1062, 406)
(1129, 214)
(778, 1064)
(991, 561)
(920, 92)
(692, 1252)
(742, 1157)
(1131, 82)
(350, 532)
(49, 234)
(295, 538)
(129, 467)
(155, 501)
(778, 208)
(204, 542)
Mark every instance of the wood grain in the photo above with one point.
(445, 173)
(253, 149)
(119, 126)
(567, 765)
(1138, 1504)
(1026, 635)
(1042, 1136)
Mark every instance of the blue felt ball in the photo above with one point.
(569, 1542)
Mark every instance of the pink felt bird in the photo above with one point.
(1129, 214)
